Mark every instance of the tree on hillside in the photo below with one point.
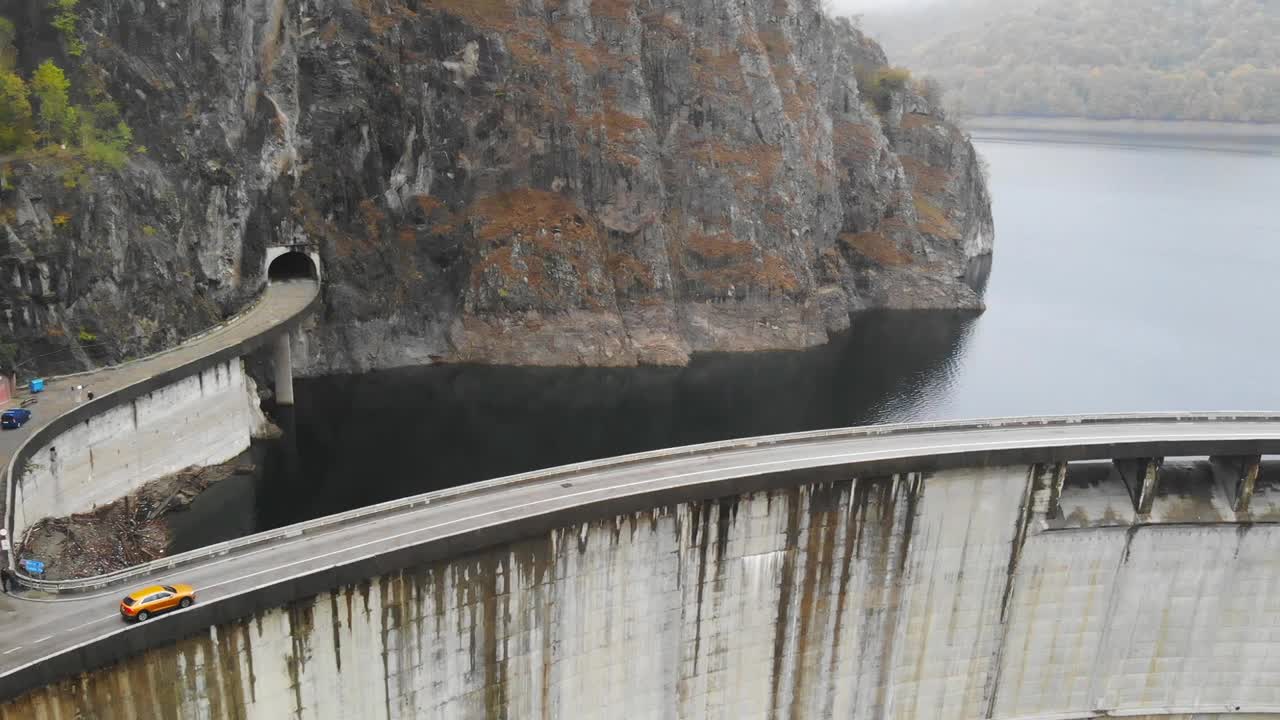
(16, 131)
(8, 49)
(57, 118)
(43, 112)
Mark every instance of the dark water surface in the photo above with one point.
(1126, 277)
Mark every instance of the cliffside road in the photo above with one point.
(280, 303)
(32, 630)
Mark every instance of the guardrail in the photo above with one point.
(223, 325)
(566, 471)
(110, 399)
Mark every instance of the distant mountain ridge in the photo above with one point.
(1213, 60)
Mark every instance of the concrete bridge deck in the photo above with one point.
(41, 642)
(281, 303)
(60, 406)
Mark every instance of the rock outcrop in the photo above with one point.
(597, 182)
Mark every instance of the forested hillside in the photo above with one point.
(1150, 59)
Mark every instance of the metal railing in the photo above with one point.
(222, 325)
(567, 471)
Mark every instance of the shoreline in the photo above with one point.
(1157, 128)
(1234, 138)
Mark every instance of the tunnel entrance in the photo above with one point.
(292, 266)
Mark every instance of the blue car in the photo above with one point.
(12, 419)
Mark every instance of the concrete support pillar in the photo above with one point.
(283, 362)
(1238, 475)
(1142, 476)
(1047, 480)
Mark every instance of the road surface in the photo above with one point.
(31, 629)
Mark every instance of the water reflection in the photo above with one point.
(365, 439)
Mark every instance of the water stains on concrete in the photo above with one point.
(958, 593)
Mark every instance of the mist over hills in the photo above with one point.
(1145, 59)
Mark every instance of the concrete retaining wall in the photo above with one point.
(203, 419)
(920, 597)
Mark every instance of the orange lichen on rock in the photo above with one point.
(800, 100)
(384, 14)
(933, 220)
(527, 211)
(854, 142)
(498, 261)
(925, 177)
(717, 71)
(778, 47)
(612, 9)
(408, 237)
(527, 48)
(667, 23)
(875, 246)
(798, 94)
(724, 265)
(592, 58)
(427, 204)
(777, 275)
(719, 246)
(770, 274)
(915, 121)
(620, 126)
(487, 14)
(630, 274)
(752, 165)
(542, 242)
(775, 220)
(618, 134)
(372, 216)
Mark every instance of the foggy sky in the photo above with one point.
(849, 7)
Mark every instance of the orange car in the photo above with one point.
(156, 599)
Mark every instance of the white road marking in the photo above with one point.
(276, 544)
(817, 461)
(806, 462)
(91, 622)
(46, 637)
(14, 649)
(602, 475)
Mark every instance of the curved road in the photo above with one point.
(33, 630)
(281, 302)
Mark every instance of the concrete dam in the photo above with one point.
(1009, 575)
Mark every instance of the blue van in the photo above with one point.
(16, 418)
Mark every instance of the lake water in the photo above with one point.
(1139, 274)
(1130, 274)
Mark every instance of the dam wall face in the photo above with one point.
(203, 419)
(921, 596)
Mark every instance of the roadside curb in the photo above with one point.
(222, 325)
(110, 399)
(91, 584)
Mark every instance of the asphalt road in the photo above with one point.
(280, 303)
(31, 630)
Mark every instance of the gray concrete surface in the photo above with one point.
(43, 641)
(201, 420)
(60, 407)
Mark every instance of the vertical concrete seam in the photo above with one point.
(1025, 513)
(782, 621)
(1104, 637)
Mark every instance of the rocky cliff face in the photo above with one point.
(602, 182)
